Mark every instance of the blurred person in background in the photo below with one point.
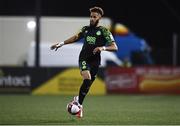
(142, 56)
(134, 50)
(96, 39)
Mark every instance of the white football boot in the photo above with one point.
(76, 99)
(80, 113)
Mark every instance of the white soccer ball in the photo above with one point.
(73, 108)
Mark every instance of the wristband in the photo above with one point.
(60, 44)
(104, 48)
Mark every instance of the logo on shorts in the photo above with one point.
(83, 64)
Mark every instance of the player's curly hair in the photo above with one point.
(97, 9)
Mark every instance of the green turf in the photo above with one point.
(118, 109)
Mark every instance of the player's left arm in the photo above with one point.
(111, 44)
(111, 47)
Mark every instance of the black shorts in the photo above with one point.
(83, 65)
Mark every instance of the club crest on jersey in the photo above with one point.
(98, 33)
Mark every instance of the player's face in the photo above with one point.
(94, 18)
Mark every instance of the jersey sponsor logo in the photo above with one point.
(91, 39)
(98, 33)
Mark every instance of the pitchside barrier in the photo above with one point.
(156, 80)
(46, 80)
(67, 81)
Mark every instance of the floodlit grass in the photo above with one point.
(101, 110)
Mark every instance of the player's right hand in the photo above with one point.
(56, 46)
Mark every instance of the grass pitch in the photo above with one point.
(98, 110)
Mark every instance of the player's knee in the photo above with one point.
(86, 75)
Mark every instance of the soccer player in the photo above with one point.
(96, 39)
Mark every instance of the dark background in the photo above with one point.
(154, 20)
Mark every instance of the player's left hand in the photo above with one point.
(97, 50)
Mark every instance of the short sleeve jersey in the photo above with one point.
(93, 37)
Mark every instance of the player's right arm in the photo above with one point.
(69, 40)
